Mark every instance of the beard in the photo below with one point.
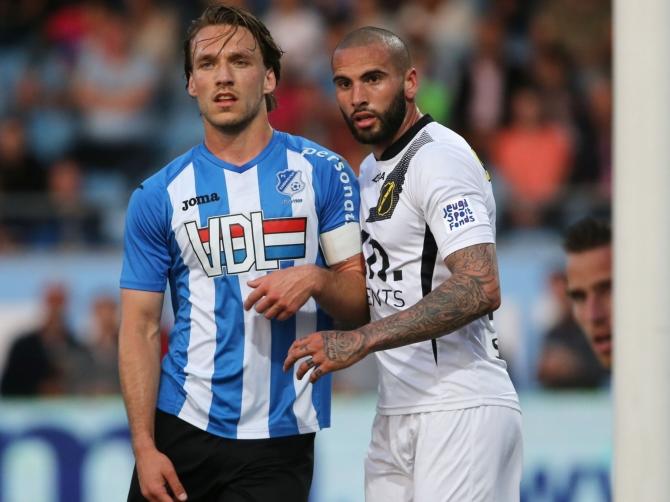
(390, 121)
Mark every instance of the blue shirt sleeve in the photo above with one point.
(339, 194)
(146, 258)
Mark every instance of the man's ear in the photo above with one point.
(191, 87)
(270, 82)
(411, 84)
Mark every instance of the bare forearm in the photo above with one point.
(343, 296)
(139, 368)
(471, 292)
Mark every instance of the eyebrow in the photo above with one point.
(206, 43)
(368, 73)
(238, 54)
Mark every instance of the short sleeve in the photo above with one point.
(146, 258)
(452, 190)
(339, 195)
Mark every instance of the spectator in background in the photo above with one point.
(567, 360)
(43, 362)
(101, 376)
(299, 31)
(533, 157)
(20, 171)
(154, 24)
(113, 88)
(62, 217)
(22, 180)
(449, 28)
(599, 94)
(484, 91)
(588, 245)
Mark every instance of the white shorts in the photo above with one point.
(469, 455)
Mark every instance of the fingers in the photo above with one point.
(269, 307)
(297, 350)
(158, 479)
(312, 348)
(254, 296)
(175, 485)
(304, 367)
(317, 373)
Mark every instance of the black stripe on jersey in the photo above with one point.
(408, 136)
(428, 257)
(392, 187)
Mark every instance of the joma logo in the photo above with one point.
(199, 199)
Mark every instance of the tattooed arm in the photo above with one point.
(472, 291)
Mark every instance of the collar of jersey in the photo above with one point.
(204, 151)
(399, 145)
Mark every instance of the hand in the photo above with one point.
(155, 473)
(280, 294)
(326, 351)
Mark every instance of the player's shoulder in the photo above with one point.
(155, 187)
(443, 145)
(161, 179)
(317, 155)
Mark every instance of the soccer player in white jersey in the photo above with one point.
(448, 424)
(256, 232)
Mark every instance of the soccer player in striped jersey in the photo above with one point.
(256, 232)
(448, 424)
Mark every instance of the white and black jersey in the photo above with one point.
(427, 197)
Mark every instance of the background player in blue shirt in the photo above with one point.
(257, 233)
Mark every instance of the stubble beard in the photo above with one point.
(390, 121)
(239, 124)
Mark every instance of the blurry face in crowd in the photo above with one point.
(372, 92)
(589, 275)
(229, 79)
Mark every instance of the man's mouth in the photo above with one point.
(363, 120)
(225, 98)
(603, 344)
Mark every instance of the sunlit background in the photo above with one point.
(92, 101)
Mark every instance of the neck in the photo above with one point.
(411, 117)
(239, 147)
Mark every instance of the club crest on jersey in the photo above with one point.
(458, 214)
(235, 243)
(289, 182)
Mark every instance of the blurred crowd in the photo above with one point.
(93, 100)
(50, 359)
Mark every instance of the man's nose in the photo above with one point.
(596, 310)
(358, 95)
(224, 75)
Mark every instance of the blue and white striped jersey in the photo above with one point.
(208, 227)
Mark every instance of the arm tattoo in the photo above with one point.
(471, 292)
(341, 345)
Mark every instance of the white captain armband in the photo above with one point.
(341, 243)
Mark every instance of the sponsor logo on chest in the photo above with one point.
(236, 243)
